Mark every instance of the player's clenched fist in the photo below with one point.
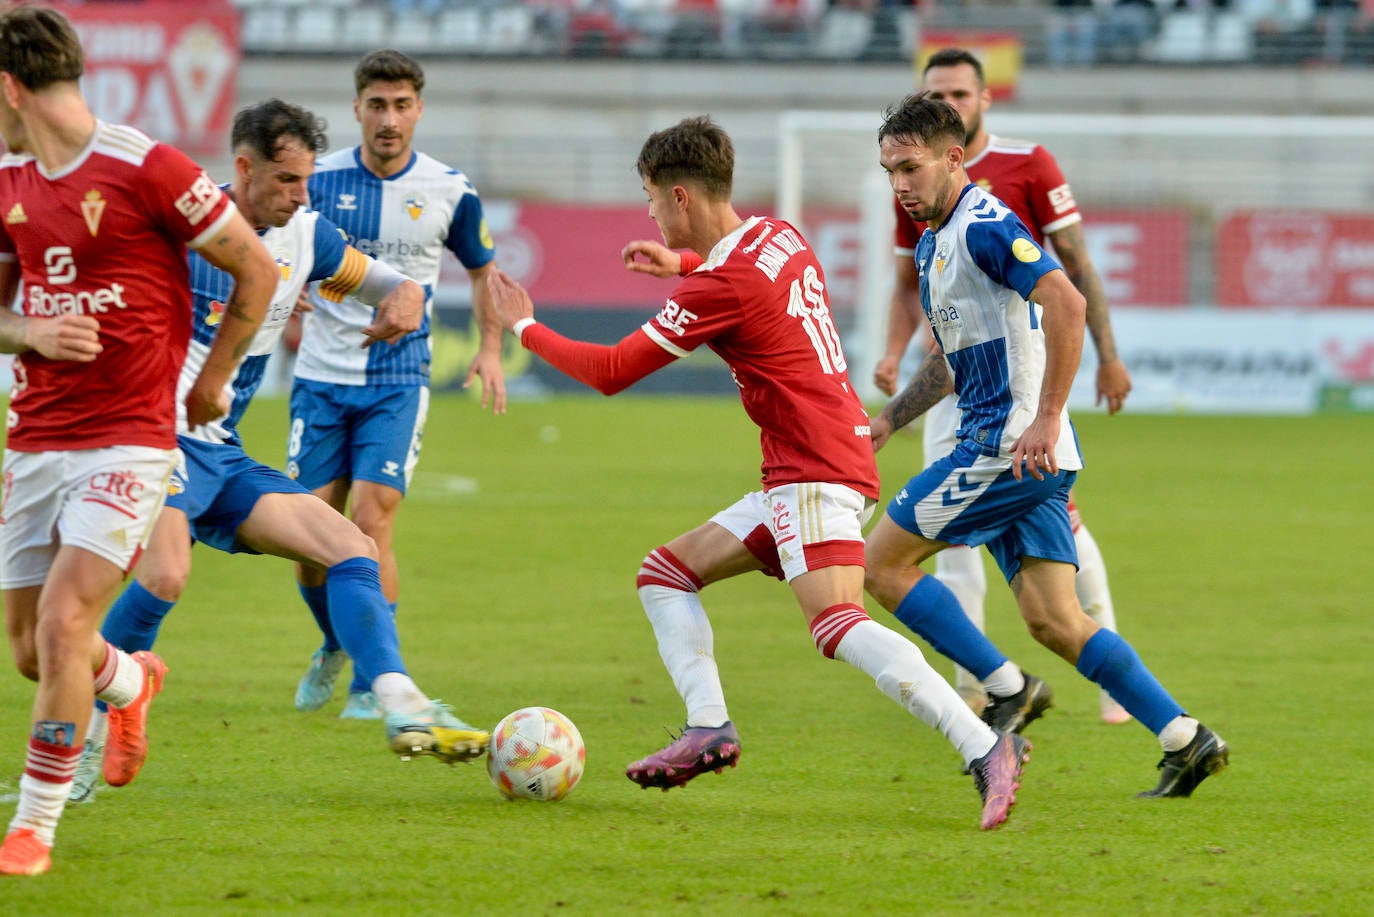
(64, 337)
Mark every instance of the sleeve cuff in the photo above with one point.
(518, 329)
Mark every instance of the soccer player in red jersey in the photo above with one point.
(755, 294)
(1025, 177)
(96, 221)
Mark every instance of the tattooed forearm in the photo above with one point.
(1072, 250)
(932, 382)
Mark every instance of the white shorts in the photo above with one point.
(103, 500)
(799, 527)
(940, 427)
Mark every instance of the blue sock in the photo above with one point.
(360, 685)
(1110, 661)
(133, 621)
(317, 600)
(931, 610)
(362, 619)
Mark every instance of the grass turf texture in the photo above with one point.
(1233, 547)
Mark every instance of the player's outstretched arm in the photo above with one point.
(1062, 322)
(903, 320)
(487, 364)
(657, 259)
(399, 312)
(237, 251)
(606, 369)
(1113, 379)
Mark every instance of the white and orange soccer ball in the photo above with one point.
(535, 753)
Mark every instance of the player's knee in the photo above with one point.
(25, 658)
(356, 543)
(829, 627)
(165, 582)
(883, 585)
(661, 567)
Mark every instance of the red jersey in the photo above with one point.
(106, 236)
(760, 302)
(1024, 176)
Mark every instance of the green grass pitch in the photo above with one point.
(1234, 547)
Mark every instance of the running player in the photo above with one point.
(223, 498)
(1008, 328)
(1026, 178)
(357, 416)
(755, 294)
(97, 218)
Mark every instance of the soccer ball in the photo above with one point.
(535, 753)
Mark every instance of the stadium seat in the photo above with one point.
(460, 30)
(509, 30)
(1182, 38)
(365, 28)
(266, 28)
(316, 28)
(843, 34)
(413, 33)
(1233, 38)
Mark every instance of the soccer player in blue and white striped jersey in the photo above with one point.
(357, 416)
(1008, 325)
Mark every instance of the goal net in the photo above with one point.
(1232, 218)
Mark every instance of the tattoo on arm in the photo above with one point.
(1072, 250)
(932, 382)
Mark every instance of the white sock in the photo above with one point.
(902, 673)
(125, 681)
(1091, 583)
(1006, 680)
(1178, 733)
(961, 569)
(687, 648)
(41, 801)
(398, 693)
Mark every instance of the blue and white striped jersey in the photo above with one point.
(406, 221)
(976, 271)
(307, 248)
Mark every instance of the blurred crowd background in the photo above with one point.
(1058, 33)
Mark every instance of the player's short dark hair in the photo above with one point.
(266, 127)
(695, 149)
(39, 47)
(953, 57)
(920, 117)
(388, 66)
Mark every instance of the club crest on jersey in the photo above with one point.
(415, 205)
(941, 256)
(91, 210)
(216, 313)
(347, 201)
(284, 265)
(16, 214)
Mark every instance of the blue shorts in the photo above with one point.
(359, 432)
(968, 498)
(217, 486)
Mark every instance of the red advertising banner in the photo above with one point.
(1266, 258)
(569, 255)
(1142, 256)
(169, 69)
